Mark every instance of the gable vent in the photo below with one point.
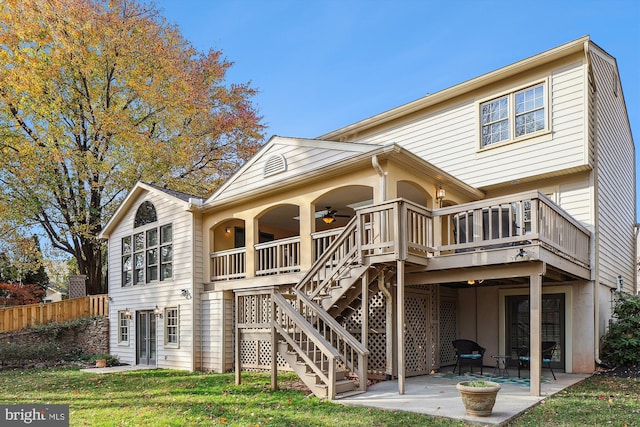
(275, 164)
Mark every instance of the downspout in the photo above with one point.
(595, 268)
(383, 177)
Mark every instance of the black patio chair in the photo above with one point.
(468, 352)
(548, 350)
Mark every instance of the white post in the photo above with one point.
(400, 324)
(535, 331)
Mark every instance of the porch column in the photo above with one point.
(274, 345)
(250, 239)
(307, 226)
(400, 324)
(535, 331)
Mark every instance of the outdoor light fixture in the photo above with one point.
(158, 312)
(227, 230)
(440, 195)
(473, 282)
(522, 254)
(127, 313)
(328, 219)
(185, 293)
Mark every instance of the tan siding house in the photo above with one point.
(500, 210)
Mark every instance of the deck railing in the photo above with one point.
(22, 316)
(397, 228)
(229, 264)
(518, 219)
(400, 229)
(278, 256)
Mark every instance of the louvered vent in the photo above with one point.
(275, 164)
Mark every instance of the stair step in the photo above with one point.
(346, 394)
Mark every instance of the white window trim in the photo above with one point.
(165, 327)
(121, 313)
(512, 115)
(143, 230)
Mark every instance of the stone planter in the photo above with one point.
(478, 397)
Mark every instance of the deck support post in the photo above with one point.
(535, 330)
(274, 346)
(400, 324)
(237, 346)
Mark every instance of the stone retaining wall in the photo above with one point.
(71, 338)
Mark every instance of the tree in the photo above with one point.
(23, 279)
(98, 94)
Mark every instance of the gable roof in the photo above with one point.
(183, 199)
(319, 169)
(294, 157)
(351, 131)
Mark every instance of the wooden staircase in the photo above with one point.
(310, 338)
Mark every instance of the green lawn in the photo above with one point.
(174, 398)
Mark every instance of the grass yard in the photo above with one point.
(175, 398)
(596, 401)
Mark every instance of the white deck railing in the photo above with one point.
(399, 228)
(229, 264)
(278, 256)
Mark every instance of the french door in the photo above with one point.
(146, 337)
(518, 321)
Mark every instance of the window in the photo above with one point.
(171, 326)
(519, 114)
(147, 256)
(146, 214)
(123, 327)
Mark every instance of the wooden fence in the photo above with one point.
(19, 317)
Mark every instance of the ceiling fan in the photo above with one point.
(329, 215)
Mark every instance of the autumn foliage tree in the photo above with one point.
(98, 94)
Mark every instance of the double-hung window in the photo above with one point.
(171, 332)
(513, 116)
(123, 328)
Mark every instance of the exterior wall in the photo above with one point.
(448, 135)
(161, 294)
(217, 332)
(615, 177)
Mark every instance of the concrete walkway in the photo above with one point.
(123, 368)
(437, 396)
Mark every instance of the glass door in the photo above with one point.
(146, 337)
(518, 321)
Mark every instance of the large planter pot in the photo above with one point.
(478, 397)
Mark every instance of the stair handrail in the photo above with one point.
(348, 347)
(286, 319)
(350, 230)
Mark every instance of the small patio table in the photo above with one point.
(502, 360)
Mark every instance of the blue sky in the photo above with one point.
(321, 65)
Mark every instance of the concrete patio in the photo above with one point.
(436, 395)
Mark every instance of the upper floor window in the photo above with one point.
(146, 214)
(513, 116)
(147, 256)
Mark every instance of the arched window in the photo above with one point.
(146, 214)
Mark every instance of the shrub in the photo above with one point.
(621, 343)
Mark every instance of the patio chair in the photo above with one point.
(548, 350)
(468, 352)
